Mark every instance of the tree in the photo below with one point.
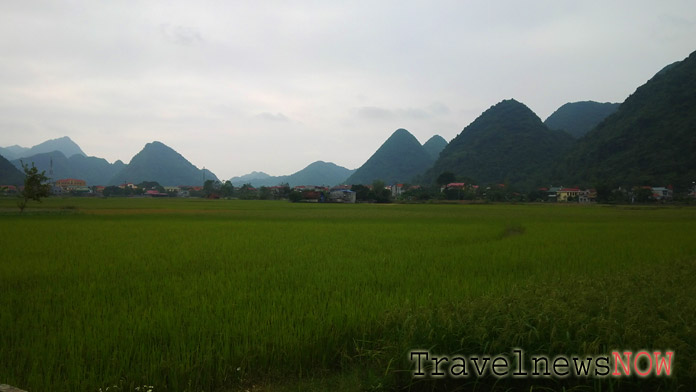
(445, 178)
(227, 189)
(379, 193)
(35, 186)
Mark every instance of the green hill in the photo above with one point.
(158, 162)
(650, 140)
(399, 159)
(508, 143)
(578, 118)
(9, 174)
(434, 146)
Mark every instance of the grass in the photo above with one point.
(198, 295)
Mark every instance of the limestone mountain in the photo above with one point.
(9, 174)
(160, 163)
(651, 138)
(434, 146)
(316, 173)
(95, 171)
(400, 158)
(508, 143)
(578, 118)
(63, 144)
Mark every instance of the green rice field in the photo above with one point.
(200, 295)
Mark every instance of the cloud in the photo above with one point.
(374, 113)
(181, 35)
(280, 117)
(378, 113)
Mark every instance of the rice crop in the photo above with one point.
(199, 295)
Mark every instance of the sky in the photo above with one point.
(241, 86)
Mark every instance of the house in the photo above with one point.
(68, 185)
(155, 193)
(552, 193)
(342, 196)
(567, 194)
(172, 189)
(662, 193)
(8, 189)
(397, 190)
(453, 185)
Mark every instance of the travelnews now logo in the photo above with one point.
(642, 364)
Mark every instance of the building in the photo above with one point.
(567, 194)
(8, 189)
(397, 190)
(67, 185)
(662, 193)
(342, 196)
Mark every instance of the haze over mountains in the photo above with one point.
(317, 173)
(647, 140)
(63, 144)
(578, 118)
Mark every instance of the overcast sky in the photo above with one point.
(272, 86)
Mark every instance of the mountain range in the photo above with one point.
(317, 173)
(647, 140)
(63, 144)
(95, 171)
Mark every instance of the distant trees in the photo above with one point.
(227, 189)
(35, 186)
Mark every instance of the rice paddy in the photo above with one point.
(198, 295)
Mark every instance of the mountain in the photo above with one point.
(95, 171)
(158, 162)
(63, 144)
(399, 159)
(9, 174)
(650, 140)
(247, 178)
(508, 143)
(317, 173)
(578, 118)
(434, 146)
(320, 173)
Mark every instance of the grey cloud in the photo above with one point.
(377, 113)
(181, 35)
(273, 117)
(374, 113)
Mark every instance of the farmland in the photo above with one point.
(198, 295)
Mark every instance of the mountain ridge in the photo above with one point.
(316, 173)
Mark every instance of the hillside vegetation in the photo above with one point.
(399, 159)
(508, 143)
(651, 138)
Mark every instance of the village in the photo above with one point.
(375, 192)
